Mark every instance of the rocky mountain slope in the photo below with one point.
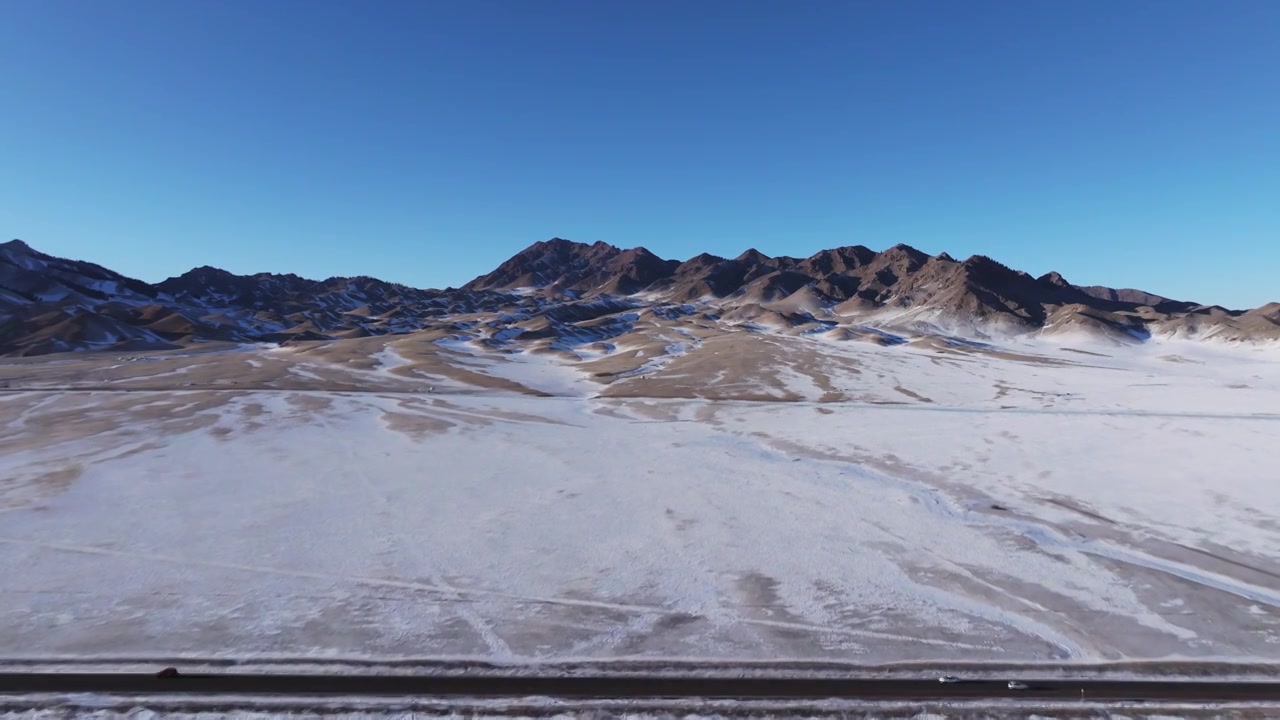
(563, 296)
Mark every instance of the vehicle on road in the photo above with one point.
(948, 679)
(1016, 685)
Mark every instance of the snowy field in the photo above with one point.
(738, 497)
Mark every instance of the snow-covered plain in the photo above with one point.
(860, 503)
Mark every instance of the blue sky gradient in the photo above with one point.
(1132, 143)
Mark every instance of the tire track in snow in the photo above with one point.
(496, 645)
(461, 593)
(983, 610)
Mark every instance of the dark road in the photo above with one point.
(613, 687)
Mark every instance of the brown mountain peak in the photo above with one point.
(1054, 278)
(906, 250)
(753, 256)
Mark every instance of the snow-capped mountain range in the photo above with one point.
(560, 295)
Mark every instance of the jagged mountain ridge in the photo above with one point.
(559, 294)
(901, 286)
(50, 304)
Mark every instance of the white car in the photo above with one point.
(1015, 685)
(948, 679)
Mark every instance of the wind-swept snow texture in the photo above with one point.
(959, 502)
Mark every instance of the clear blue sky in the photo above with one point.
(1120, 142)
